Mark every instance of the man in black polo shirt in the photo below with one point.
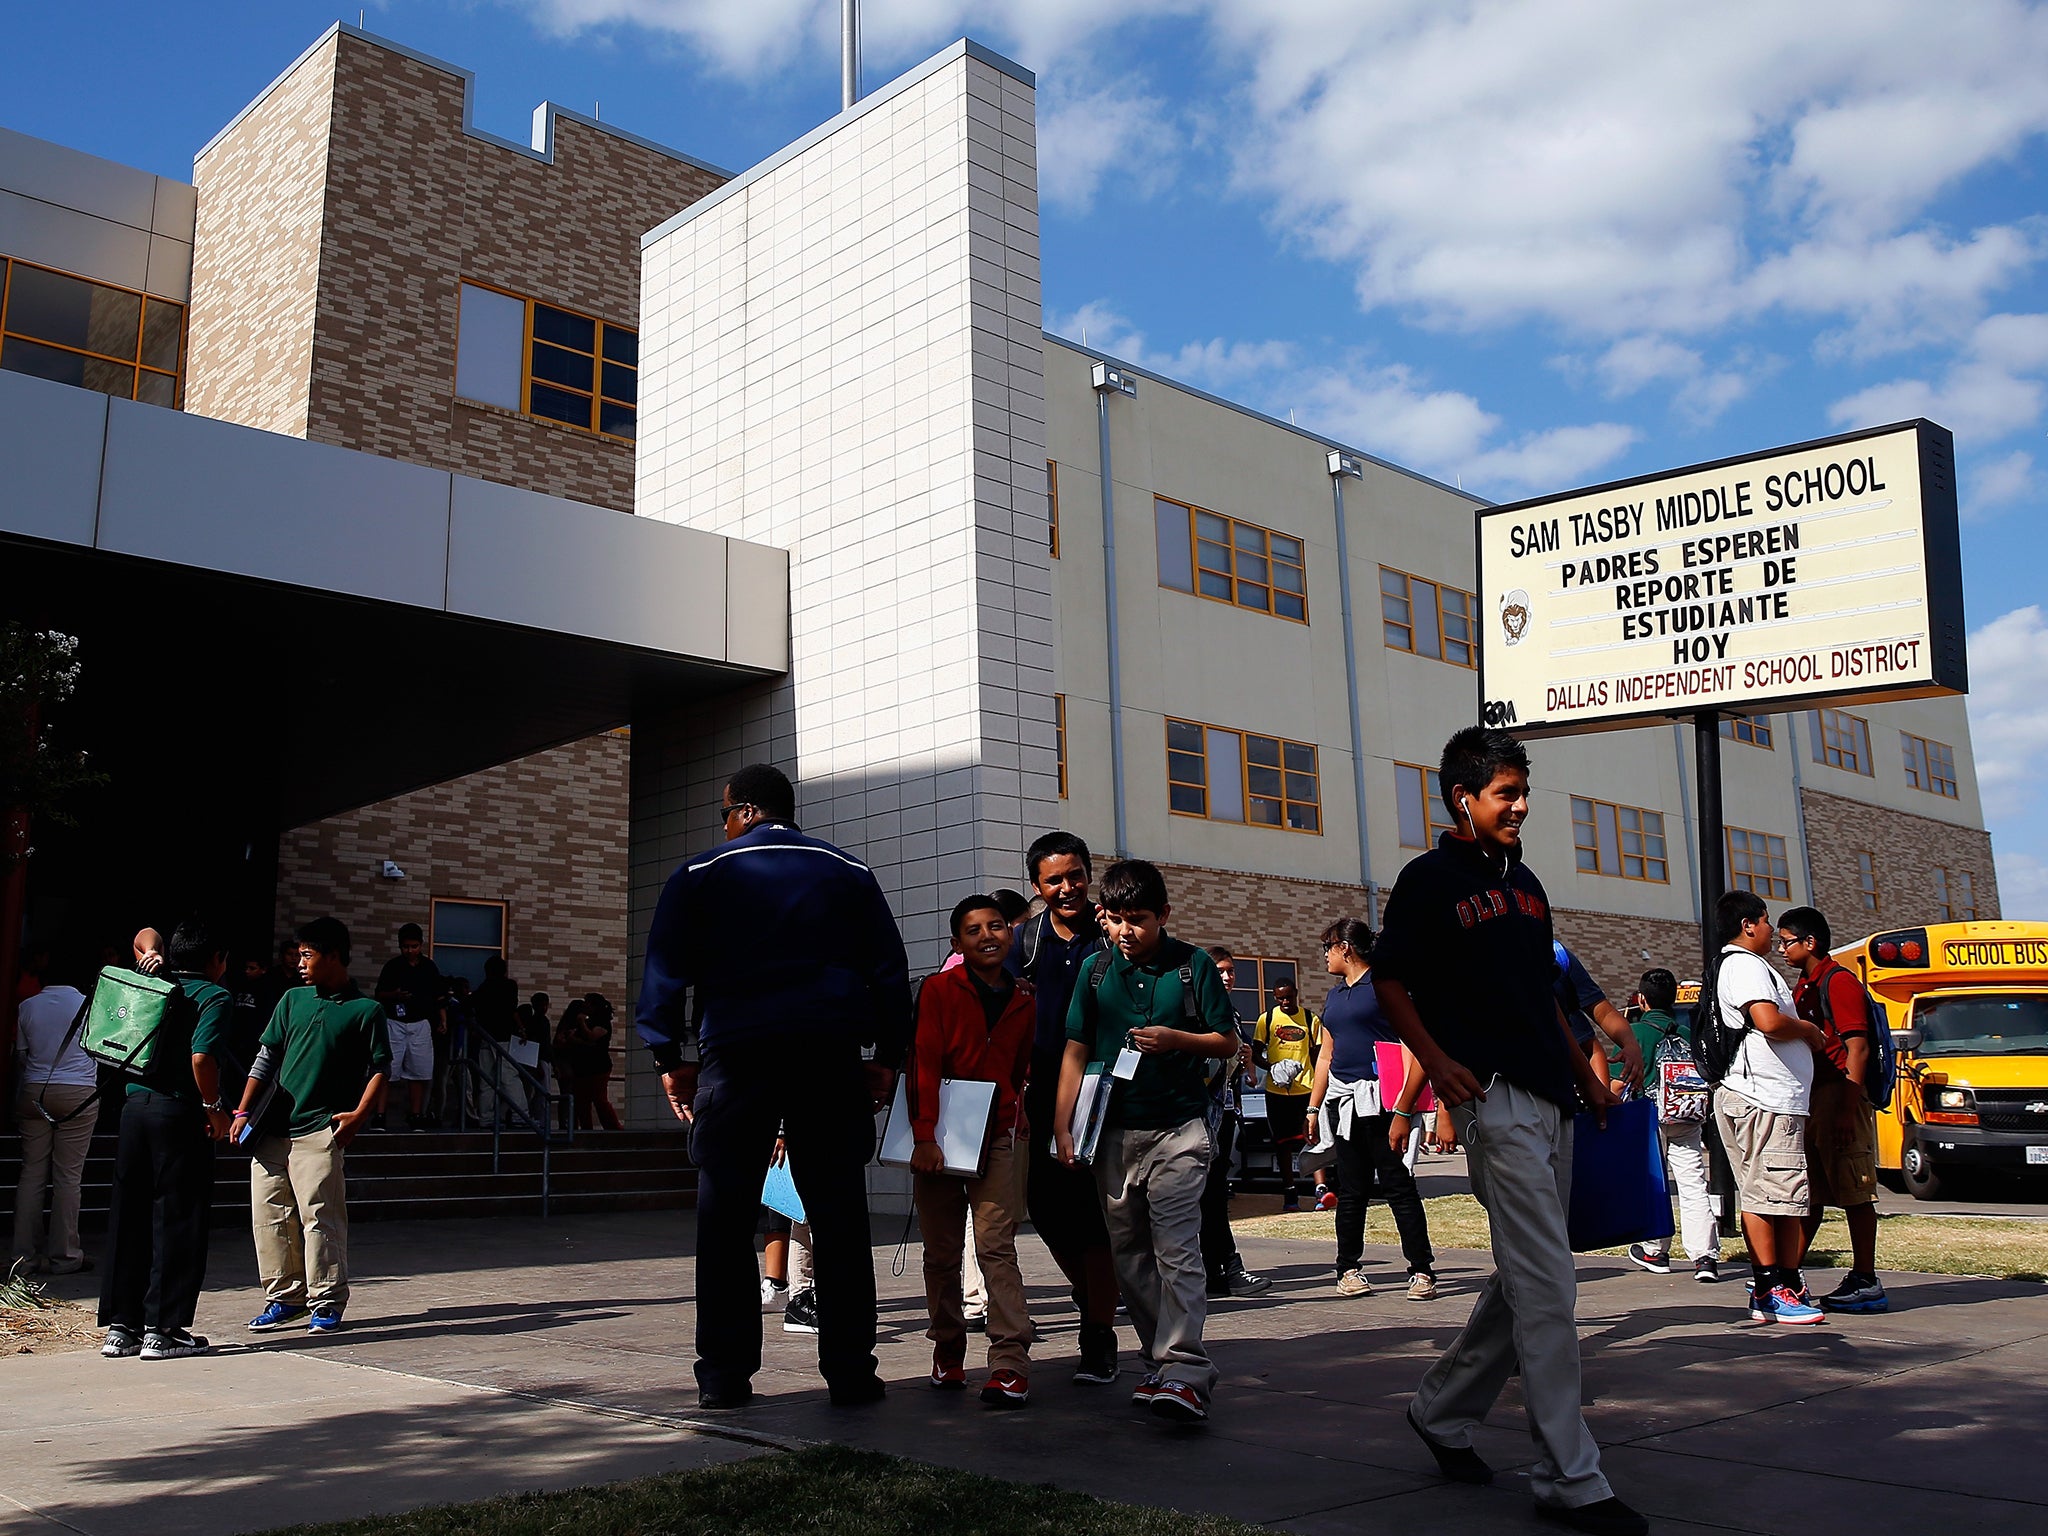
(1463, 971)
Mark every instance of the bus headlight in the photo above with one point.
(1950, 1106)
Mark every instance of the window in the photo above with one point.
(1754, 729)
(1059, 737)
(1219, 557)
(1420, 798)
(543, 361)
(1256, 978)
(1052, 506)
(1240, 776)
(1930, 765)
(1427, 618)
(1841, 741)
(1756, 862)
(1619, 840)
(56, 326)
(462, 935)
(1866, 880)
(1954, 896)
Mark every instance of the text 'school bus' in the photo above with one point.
(1968, 1008)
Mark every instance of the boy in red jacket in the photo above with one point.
(973, 1022)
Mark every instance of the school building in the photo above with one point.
(444, 516)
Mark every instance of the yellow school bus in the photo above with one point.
(1967, 1004)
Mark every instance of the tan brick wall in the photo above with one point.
(1611, 947)
(256, 257)
(1907, 851)
(545, 835)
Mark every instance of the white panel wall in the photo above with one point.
(63, 208)
(841, 355)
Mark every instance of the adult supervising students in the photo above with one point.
(797, 964)
(1463, 970)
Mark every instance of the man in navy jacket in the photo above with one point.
(797, 963)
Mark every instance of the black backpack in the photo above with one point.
(1714, 1044)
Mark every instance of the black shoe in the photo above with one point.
(859, 1393)
(1609, 1517)
(977, 1322)
(1242, 1282)
(1218, 1286)
(1460, 1465)
(1098, 1356)
(801, 1315)
(724, 1400)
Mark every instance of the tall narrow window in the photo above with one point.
(1756, 862)
(1955, 897)
(1059, 737)
(1419, 800)
(1052, 507)
(1866, 880)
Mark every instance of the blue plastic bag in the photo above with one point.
(1619, 1193)
(778, 1192)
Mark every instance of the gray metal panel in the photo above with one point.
(58, 237)
(70, 178)
(524, 558)
(50, 437)
(170, 269)
(177, 210)
(757, 605)
(248, 503)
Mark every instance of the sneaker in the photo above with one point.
(1098, 1356)
(279, 1314)
(1178, 1401)
(377, 1124)
(858, 1394)
(1353, 1283)
(1421, 1287)
(326, 1318)
(801, 1315)
(1857, 1293)
(1608, 1517)
(1242, 1282)
(977, 1322)
(714, 1400)
(1143, 1393)
(1326, 1198)
(773, 1294)
(1782, 1305)
(948, 1376)
(1707, 1270)
(1289, 1204)
(121, 1343)
(1005, 1389)
(1643, 1258)
(175, 1345)
(1461, 1464)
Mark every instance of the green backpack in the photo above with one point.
(125, 1019)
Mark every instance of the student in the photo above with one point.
(1285, 1043)
(1591, 1015)
(1685, 1152)
(55, 1114)
(162, 1199)
(1052, 950)
(410, 988)
(1220, 1258)
(1463, 970)
(1761, 1108)
(1154, 1013)
(1841, 1127)
(327, 1050)
(974, 1023)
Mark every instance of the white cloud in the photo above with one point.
(2022, 882)
(1083, 139)
(2008, 713)
(1984, 396)
(1211, 364)
(1550, 461)
(1992, 487)
(1636, 362)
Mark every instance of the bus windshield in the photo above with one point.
(1983, 1025)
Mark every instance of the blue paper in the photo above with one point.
(1619, 1193)
(778, 1192)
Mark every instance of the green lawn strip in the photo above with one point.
(2003, 1249)
(822, 1491)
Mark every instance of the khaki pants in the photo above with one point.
(996, 1200)
(1151, 1184)
(52, 1158)
(300, 1212)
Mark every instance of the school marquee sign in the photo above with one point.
(1829, 571)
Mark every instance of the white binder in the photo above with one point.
(966, 1105)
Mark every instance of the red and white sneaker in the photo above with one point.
(1326, 1198)
(948, 1377)
(1005, 1389)
(1143, 1393)
(1180, 1402)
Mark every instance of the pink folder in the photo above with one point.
(1393, 1065)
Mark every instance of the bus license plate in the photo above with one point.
(2037, 1154)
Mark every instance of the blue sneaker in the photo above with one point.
(1857, 1293)
(326, 1318)
(1782, 1305)
(279, 1314)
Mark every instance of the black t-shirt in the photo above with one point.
(493, 1005)
(422, 983)
(1470, 940)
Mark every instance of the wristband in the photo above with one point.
(241, 1114)
(1405, 1114)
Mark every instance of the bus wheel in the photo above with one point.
(1917, 1168)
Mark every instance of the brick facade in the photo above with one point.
(1906, 849)
(544, 835)
(1274, 917)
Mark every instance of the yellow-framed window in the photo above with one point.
(1756, 862)
(1427, 618)
(1257, 976)
(1866, 880)
(1227, 775)
(1842, 741)
(1052, 505)
(542, 360)
(1059, 737)
(55, 325)
(1622, 840)
(1955, 895)
(1230, 561)
(1930, 765)
(1419, 799)
(1753, 729)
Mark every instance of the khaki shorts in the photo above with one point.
(1843, 1167)
(1768, 1153)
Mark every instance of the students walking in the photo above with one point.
(1225, 1265)
(1681, 1122)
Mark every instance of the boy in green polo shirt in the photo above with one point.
(326, 1049)
(1155, 1014)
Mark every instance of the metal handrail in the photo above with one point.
(501, 1108)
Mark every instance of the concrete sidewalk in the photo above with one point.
(496, 1356)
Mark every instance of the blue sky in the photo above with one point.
(1523, 246)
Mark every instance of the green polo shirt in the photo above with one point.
(1653, 1027)
(198, 1029)
(1170, 1088)
(330, 1043)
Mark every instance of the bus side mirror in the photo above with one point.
(1907, 1040)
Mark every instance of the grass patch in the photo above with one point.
(822, 1491)
(2006, 1250)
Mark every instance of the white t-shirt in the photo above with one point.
(1772, 1074)
(40, 1028)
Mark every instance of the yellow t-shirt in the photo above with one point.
(1290, 1037)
